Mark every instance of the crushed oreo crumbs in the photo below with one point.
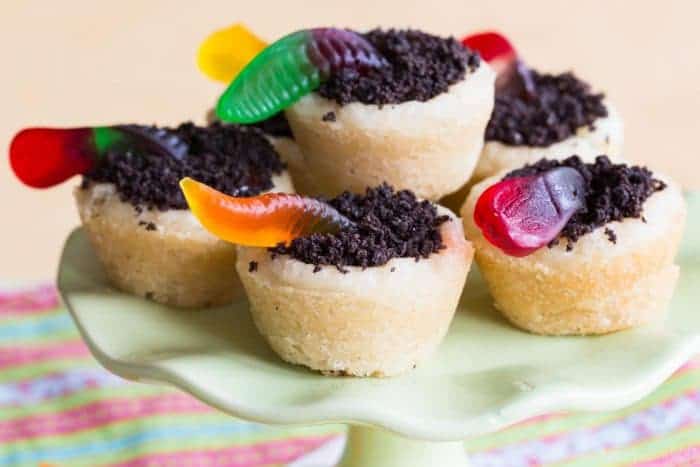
(388, 224)
(613, 192)
(610, 233)
(150, 226)
(420, 67)
(558, 107)
(236, 160)
(252, 266)
(328, 117)
(276, 126)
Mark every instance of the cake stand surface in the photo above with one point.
(485, 376)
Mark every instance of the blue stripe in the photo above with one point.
(48, 386)
(98, 447)
(44, 326)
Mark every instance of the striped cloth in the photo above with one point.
(59, 408)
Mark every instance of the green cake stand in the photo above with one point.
(485, 376)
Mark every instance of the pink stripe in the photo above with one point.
(35, 354)
(97, 414)
(693, 364)
(255, 455)
(32, 300)
(686, 457)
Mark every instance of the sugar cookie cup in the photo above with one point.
(599, 286)
(541, 115)
(290, 153)
(606, 137)
(165, 256)
(429, 147)
(161, 252)
(378, 321)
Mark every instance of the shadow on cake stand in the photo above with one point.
(485, 376)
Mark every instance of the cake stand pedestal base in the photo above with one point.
(373, 447)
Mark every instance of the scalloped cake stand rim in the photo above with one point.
(538, 401)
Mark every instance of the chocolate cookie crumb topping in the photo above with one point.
(613, 192)
(276, 126)
(150, 226)
(420, 67)
(612, 236)
(388, 224)
(558, 107)
(236, 160)
(252, 266)
(328, 117)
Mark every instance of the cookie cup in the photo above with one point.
(606, 137)
(291, 154)
(380, 321)
(429, 147)
(165, 256)
(596, 288)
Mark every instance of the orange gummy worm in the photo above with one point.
(264, 220)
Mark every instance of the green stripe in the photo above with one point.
(645, 450)
(43, 369)
(15, 319)
(672, 388)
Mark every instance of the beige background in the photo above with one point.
(88, 62)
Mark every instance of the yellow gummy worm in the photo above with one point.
(227, 51)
